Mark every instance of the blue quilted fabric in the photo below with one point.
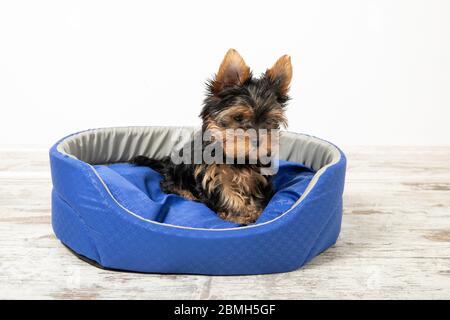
(116, 216)
(137, 188)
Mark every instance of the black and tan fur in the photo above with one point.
(234, 100)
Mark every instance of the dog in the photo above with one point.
(235, 100)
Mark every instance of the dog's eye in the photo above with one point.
(238, 118)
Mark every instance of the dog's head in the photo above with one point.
(245, 110)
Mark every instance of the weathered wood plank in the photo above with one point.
(395, 239)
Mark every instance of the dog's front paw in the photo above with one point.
(240, 218)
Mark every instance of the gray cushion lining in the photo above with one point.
(110, 145)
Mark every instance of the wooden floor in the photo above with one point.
(395, 239)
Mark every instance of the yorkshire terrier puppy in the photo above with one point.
(237, 192)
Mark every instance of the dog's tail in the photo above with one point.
(157, 165)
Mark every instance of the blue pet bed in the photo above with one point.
(113, 213)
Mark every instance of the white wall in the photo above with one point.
(365, 72)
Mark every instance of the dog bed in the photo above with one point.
(114, 215)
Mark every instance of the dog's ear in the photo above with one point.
(233, 71)
(281, 74)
